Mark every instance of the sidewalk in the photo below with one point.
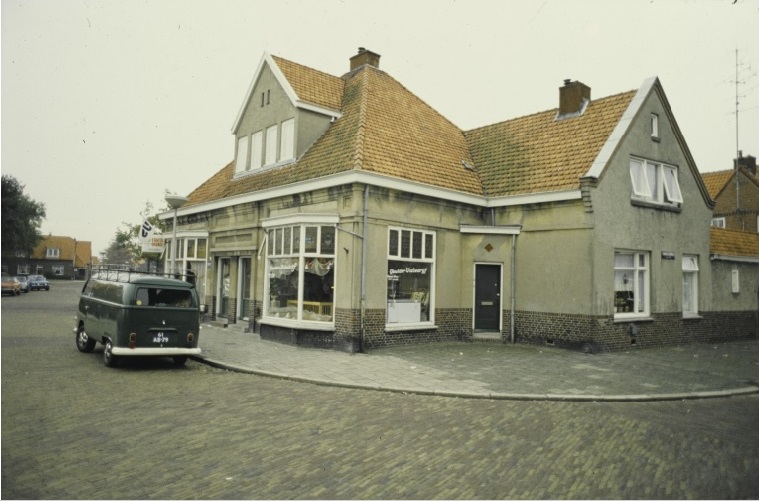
(498, 371)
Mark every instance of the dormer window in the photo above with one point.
(241, 162)
(274, 145)
(256, 150)
(654, 126)
(287, 144)
(654, 183)
(53, 253)
(271, 145)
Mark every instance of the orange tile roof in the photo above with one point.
(312, 86)
(715, 181)
(537, 153)
(386, 129)
(65, 246)
(734, 243)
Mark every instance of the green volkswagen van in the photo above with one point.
(137, 314)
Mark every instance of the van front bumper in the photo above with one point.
(155, 352)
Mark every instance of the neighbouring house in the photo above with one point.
(736, 195)
(355, 216)
(54, 257)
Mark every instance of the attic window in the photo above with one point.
(655, 183)
(655, 127)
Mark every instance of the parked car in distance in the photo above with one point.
(38, 282)
(137, 314)
(24, 281)
(11, 285)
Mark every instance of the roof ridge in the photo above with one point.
(551, 110)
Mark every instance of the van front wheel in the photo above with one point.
(83, 342)
(179, 359)
(109, 359)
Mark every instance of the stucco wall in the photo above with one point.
(621, 224)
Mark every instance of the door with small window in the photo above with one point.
(487, 298)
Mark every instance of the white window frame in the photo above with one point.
(287, 141)
(655, 182)
(422, 252)
(241, 161)
(271, 145)
(637, 280)
(654, 126)
(52, 253)
(690, 285)
(277, 245)
(256, 150)
(22, 269)
(58, 270)
(719, 222)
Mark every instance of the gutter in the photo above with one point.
(363, 269)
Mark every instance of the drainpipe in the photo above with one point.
(363, 269)
(513, 283)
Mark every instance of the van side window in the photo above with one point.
(153, 296)
(112, 292)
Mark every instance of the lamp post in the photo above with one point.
(175, 202)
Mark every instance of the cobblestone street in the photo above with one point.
(72, 428)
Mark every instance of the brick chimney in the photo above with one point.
(748, 162)
(573, 97)
(364, 57)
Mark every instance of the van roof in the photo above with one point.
(146, 280)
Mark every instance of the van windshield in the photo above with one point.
(155, 296)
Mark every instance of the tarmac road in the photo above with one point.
(72, 428)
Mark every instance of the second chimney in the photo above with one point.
(573, 97)
(365, 57)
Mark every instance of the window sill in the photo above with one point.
(632, 318)
(410, 327)
(652, 205)
(692, 316)
(298, 324)
(251, 171)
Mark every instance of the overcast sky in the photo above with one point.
(106, 104)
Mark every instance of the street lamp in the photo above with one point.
(175, 202)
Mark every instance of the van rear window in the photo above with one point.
(154, 296)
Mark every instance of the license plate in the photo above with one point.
(160, 338)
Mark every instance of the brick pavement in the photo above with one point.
(500, 371)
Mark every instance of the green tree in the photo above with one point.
(126, 246)
(21, 219)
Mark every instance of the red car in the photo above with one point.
(11, 285)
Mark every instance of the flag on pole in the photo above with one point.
(150, 241)
(146, 230)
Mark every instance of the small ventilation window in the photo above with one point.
(654, 126)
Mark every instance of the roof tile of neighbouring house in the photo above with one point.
(386, 129)
(715, 181)
(537, 153)
(65, 246)
(311, 85)
(734, 243)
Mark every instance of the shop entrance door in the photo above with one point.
(487, 298)
(222, 288)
